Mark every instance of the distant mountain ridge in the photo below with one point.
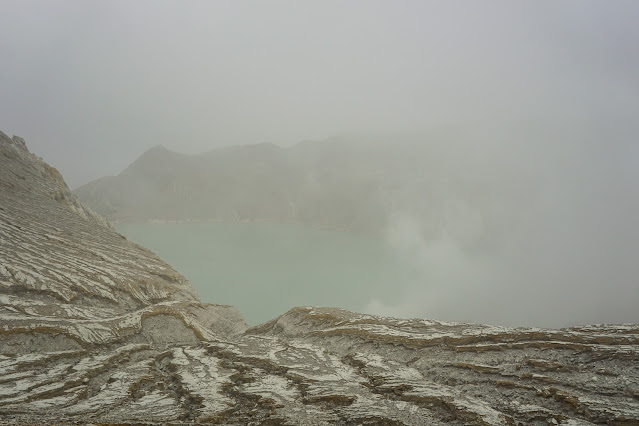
(239, 183)
(341, 183)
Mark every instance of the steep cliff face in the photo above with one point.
(26, 174)
(94, 328)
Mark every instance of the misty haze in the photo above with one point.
(516, 227)
(361, 212)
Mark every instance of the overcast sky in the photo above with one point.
(92, 84)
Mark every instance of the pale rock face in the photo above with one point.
(95, 329)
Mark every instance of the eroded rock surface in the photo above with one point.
(94, 328)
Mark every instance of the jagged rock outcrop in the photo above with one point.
(94, 328)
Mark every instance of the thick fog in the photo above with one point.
(544, 231)
(535, 217)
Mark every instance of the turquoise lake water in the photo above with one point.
(265, 269)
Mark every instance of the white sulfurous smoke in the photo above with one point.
(539, 232)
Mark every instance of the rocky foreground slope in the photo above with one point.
(94, 328)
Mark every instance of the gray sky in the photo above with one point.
(91, 85)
